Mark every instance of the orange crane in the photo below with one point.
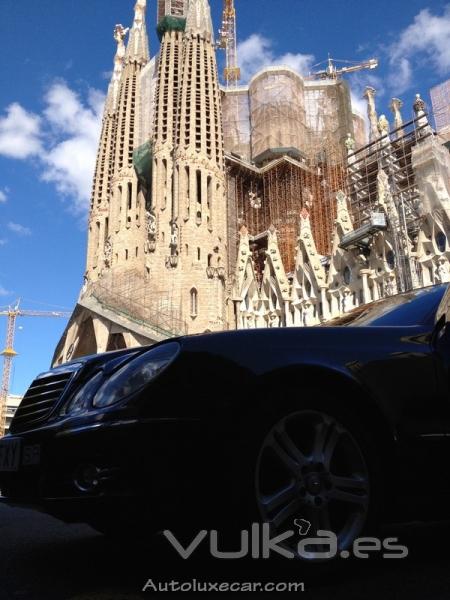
(9, 353)
(332, 72)
(228, 42)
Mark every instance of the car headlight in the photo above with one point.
(80, 403)
(105, 389)
(135, 375)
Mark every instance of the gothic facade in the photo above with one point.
(253, 206)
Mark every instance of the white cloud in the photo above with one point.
(257, 52)
(359, 105)
(3, 242)
(64, 139)
(70, 162)
(3, 196)
(19, 229)
(401, 79)
(4, 292)
(19, 133)
(426, 39)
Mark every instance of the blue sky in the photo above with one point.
(56, 59)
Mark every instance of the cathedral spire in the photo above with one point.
(137, 49)
(113, 91)
(198, 20)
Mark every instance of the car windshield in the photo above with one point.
(417, 307)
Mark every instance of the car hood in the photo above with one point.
(264, 349)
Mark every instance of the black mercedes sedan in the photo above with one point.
(341, 427)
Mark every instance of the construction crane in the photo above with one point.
(9, 353)
(332, 72)
(228, 42)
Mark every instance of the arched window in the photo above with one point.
(194, 302)
(441, 241)
(347, 276)
(390, 259)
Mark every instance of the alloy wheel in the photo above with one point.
(311, 469)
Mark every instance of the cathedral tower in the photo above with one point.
(125, 242)
(117, 220)
(104, 169)
(188, 175)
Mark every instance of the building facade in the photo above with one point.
(247, 206)
(12, 404)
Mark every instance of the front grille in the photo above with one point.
(41, 398)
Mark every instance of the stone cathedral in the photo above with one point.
(218, 207)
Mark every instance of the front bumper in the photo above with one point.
(135, 460)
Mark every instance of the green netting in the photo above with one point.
(142, 160)
(169, 23)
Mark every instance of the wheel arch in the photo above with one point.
(336, 386)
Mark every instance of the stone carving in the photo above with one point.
(308, 314)
(273, 319)
(396, 106)
(255, 201)
(250, 321)
(151, 230)
(308, 197)
(369, 95)
(383, 125)
(119, 35)
(346, 301)
(174, 236)
(172, 261)
(385, 197)
(422, 121)
(419, 105)
(391, 285)
(443, 269)
(150, 224)
(85, 286)
(350, 144)
(108, 252)
(431, 163)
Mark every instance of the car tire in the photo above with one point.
(329, 460)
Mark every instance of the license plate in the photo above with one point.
(10, 455)
(31, 455)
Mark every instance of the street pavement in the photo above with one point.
(43, 559)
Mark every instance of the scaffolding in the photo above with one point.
(236, 122)
(277, 114)
(329, 115)
(284, 138)
(276, 193)
(126, 292)
(391, 153)
(440, 98)
(171, 8)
